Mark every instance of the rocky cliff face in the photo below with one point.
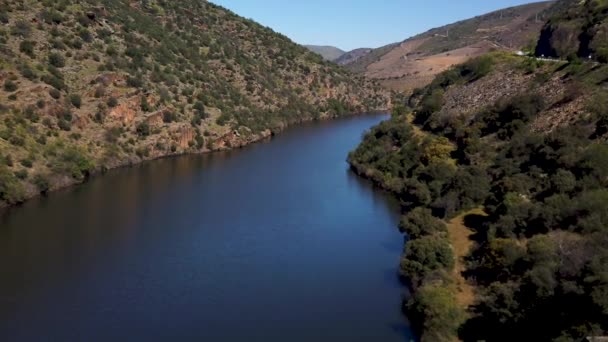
(576, 29)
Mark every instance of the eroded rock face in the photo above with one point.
(155, 119)
(186, 135)
(125, 111)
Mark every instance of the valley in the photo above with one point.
(234, 184)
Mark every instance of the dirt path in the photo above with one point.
(460, 238)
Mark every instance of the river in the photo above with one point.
(278, 241)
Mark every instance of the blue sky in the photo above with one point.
(350, 24)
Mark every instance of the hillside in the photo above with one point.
(416, 61)
(522, 142)
(89, 85)
(329, 53)
(352, 56)
(576, 28)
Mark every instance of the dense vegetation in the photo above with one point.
(87, 85)
(540, 260)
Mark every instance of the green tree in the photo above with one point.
(441, 315)
(420, 222)
(425, 255)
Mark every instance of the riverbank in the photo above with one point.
(228, 140)
(433, 258)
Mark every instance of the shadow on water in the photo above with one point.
(383, 199)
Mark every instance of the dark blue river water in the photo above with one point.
(275, 242)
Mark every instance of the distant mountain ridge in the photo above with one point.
(329, 53)
(352, 56)
(416, 61)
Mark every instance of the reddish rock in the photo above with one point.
(185, 137)
(125, 111)
(155, 119)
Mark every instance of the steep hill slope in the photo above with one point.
(88, 85)
(576, 28)
(525, 141)
(415, 61)
(329, 53)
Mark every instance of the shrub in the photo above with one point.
(200, 141)
(52, 17)
(22, 29)
(602, 55)
(199, 107)
(56, 94)
(506, 114)
(27, 47)
(27, 72)
(27, 163)
(134, 82)
(75, 161)
(85, 35)
(429, 104)
(31, 114)
(112, 102)
(54, 81)
(169, 116)
(21, 174)
(41, 181)
(144, 105)
(56, 60)
(64, 125)
(143, 129)
(477, 68)
(10, 86)
(75, 100)
(11, 190)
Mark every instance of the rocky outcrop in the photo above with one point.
(185, 137)
(576, 28)
(234, 139)
(126, 111)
